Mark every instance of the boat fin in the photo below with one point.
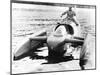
(79, 38)
(72, 40)
(39, 38)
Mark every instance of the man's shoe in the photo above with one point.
(77, 24)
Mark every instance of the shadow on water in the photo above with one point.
(58, 59)
(53, 60)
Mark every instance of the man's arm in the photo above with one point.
(63, 13)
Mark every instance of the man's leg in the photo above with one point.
(75, 21)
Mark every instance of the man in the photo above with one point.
(70, 16)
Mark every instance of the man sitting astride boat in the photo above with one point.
(71, 15)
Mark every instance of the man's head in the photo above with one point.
(70, 8)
